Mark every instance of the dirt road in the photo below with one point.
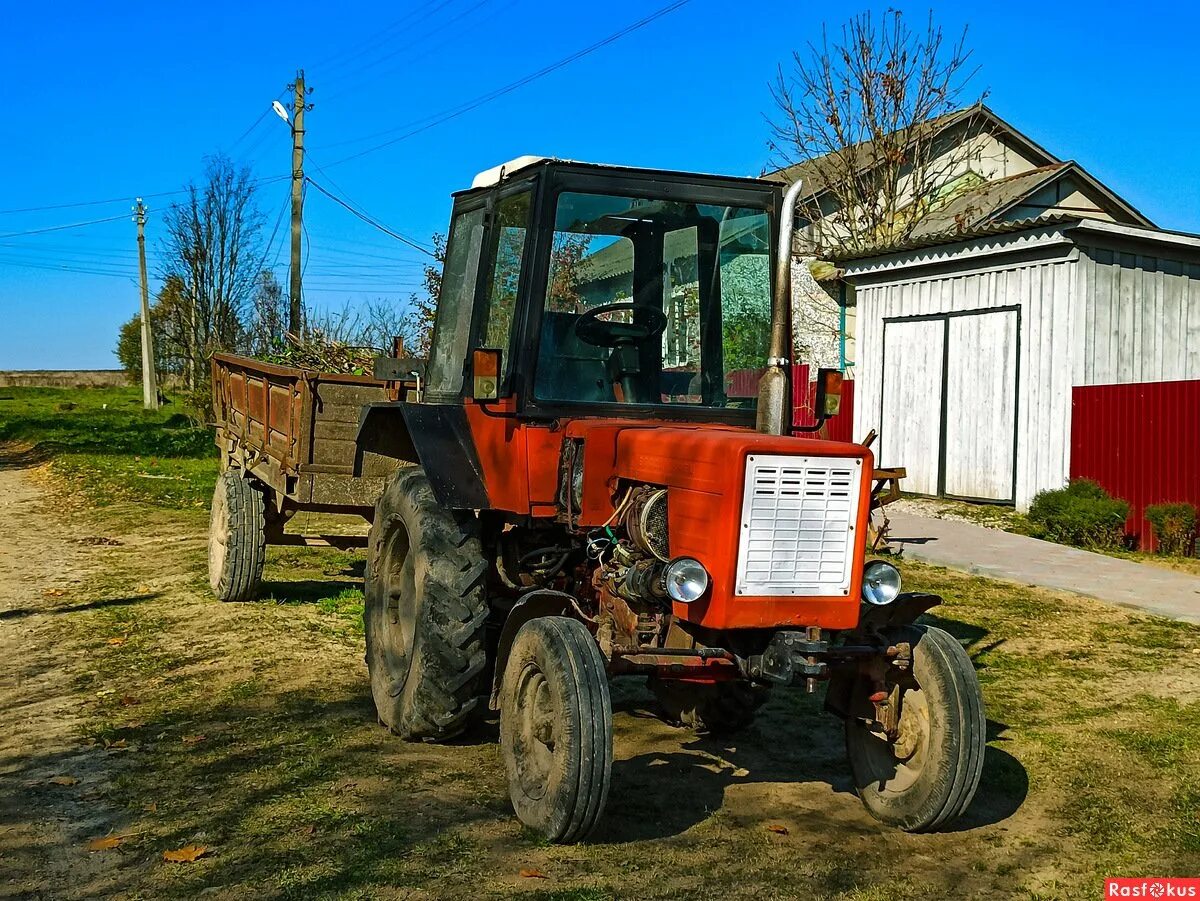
(52, 804)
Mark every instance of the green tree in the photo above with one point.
(168, 323)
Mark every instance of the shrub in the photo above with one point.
(1082, 514)
(1174, 527)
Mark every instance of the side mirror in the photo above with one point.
(485, 374)
(829, 393)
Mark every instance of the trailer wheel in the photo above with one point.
(718, 709)
(237, 544)
(556, 728)
(928, 775)
(424, 613)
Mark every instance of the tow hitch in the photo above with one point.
(793, 656)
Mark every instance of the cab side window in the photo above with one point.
(452, 328)
(512, 231)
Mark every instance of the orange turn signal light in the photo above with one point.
(485, 372)
(829, 392)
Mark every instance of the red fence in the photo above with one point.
(837, 428)
(1140, 442)
(744, 383)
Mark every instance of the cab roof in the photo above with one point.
(491, 177)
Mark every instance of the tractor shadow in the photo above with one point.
(785, 765)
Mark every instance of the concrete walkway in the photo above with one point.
(1002, 555)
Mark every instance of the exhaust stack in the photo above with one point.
(774, 406)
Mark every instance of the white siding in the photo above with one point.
(1043, 290)
(1140, 319)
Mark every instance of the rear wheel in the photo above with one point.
(424, 612)
(718, 709)
(928, 774)
(237, 545)
(556, 728)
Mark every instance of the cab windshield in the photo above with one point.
(653, 301)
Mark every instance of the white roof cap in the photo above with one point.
(489, 177)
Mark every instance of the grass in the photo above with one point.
(249, 728)
(108, 449)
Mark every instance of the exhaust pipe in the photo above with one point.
(774, 405)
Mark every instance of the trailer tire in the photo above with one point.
(928, 777)
(424, 612)
(237, 544)
(556, 728)
(722, 708)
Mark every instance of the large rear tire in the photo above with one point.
(722, 708)
(237, 545)
(424, 612)
(926, 777)
(556, 728)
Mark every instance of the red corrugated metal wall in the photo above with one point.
(744, 383)
(1140, 442)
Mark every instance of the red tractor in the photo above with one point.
(600, 477)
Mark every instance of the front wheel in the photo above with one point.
(556, 728)
(927, 775)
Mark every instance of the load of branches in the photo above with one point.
(318, 351)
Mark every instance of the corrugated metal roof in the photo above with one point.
(954, 236)
(978, 205)
(1081, 223)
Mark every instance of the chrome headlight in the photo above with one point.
(685, 579)
(881, 583)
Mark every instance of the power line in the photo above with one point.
(65, 206)
(346, 88)
(72, 269)
(127, 199)
(455, 112)
(367, 219)
(384, 35)
(55, 228)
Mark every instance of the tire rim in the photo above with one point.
(218, 536)
(536, 732)
(399, 607)
(895, 766)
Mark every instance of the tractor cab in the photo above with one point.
(585, 290)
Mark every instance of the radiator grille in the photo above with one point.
(798, 516)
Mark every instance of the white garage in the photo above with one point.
(972, 349)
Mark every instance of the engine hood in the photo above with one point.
(710, 460)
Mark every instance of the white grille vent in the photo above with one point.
(797, 530)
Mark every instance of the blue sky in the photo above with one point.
(113, 100)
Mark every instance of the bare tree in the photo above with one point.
(213, 247)
(861, 116)
(417, 329)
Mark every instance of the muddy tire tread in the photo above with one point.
(440, 694)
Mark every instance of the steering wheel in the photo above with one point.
(593, 330)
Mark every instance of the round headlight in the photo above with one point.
(685, 579)
(881, 582)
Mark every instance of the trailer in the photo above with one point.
(289, 443)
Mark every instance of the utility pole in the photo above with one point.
(149, 376)
(299, 104)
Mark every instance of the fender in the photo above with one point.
(540, 602)
(438, 437)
